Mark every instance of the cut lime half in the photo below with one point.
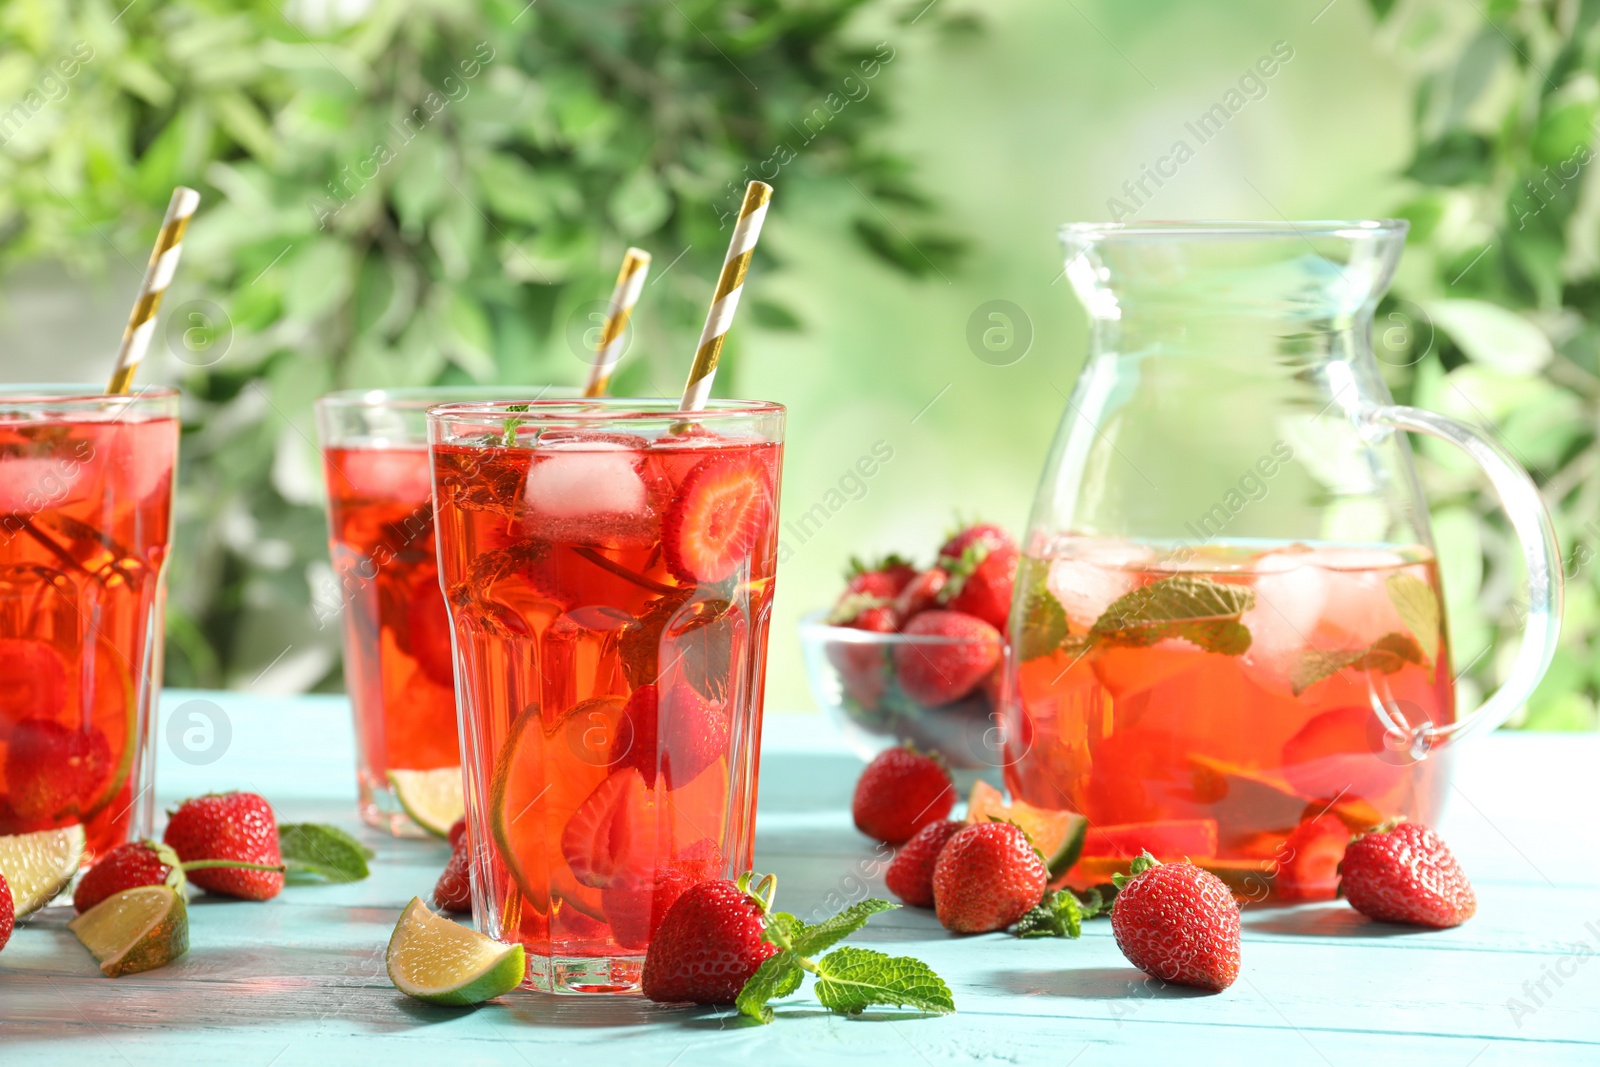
(135, 930)
(39, 866)
(431, 798)
(442, 962)
(1058, 835)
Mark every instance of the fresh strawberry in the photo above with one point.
(981, 580)
(986, 877)
(882, 579)
(229, 826)
(1177, 923)
(980, 533)
(899, 793)
(1309, 869)
(8, 911)
(458, 832)
(709, 944)
(910, 875)
(920, 594)
(33, 679)
(1406, 875)
(453, 891)
(677, 738)
(863, 666)
(964, 650)
(143, 863)
(53, 770)
(723, 507)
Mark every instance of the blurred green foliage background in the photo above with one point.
(907, 199)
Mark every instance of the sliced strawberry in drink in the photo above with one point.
(611, 839)
(673, 738)
(1342, 754)
(1309, 867)
(33, 680)
(723, 508)
(53, 770)
(428, 630)
(1165, 839)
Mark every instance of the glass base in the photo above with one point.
(584, 974)
(380, 809)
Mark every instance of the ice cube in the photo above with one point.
(32, 483)
(1093, 577)
(1290, 593)
(589, 492)
(1358, 609)
(386, 473)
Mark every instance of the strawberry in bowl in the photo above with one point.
(911, 654)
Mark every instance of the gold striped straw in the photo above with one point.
(630, 280)
(157, 276)
(745, 233)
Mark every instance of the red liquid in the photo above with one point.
(597, 806)
(397, 635)
(1270, 757)
(84, 514)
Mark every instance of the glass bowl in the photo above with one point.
(852, 679)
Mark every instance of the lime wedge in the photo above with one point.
(40, 865)
(135, 930)
(431, 798)
(434, 959)
(1058, 835)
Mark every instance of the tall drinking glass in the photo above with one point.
(396, 634)
(85, 513)
(608, 566)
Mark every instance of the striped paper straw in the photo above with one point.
(745, 232)
(630, 280)
(157, 276)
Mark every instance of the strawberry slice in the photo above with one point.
(33, 680)
(611, 839)
(723, 508)
(53, 770)
(1166, 839)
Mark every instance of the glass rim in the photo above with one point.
(611, 409)
(1095, 232)
(423, 397)
(15, 394)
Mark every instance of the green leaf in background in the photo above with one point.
(850, 980)
(325, 851)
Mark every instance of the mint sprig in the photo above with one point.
(1386, 655)
(1061, 914)
(849, 979)
(1418, 607)
(1199, 610)
(324, 851)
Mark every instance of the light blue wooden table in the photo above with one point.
(300, 979)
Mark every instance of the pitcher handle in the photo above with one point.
(1523, 505)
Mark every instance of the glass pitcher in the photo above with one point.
(1228, 639)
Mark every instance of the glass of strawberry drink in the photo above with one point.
(85, 510)
(608, 567)
(396, 632)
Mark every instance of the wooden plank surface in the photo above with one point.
(300, 979)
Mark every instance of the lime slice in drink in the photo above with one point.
(1058, 835)
(40, 865)
(431, 798)
(434, 959)
(135, 930)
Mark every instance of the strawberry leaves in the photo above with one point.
(849, 979)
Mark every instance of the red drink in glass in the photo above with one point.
(609, 567)
(1256, 756)
(85, 507)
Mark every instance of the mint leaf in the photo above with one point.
(783, 929)
(1418, 606)
(1387, 654)
(1199, 610)
(1044, 620)
(778, 976)
(326, 851)
(832, 930)
(851, 979)
(1060, 915)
